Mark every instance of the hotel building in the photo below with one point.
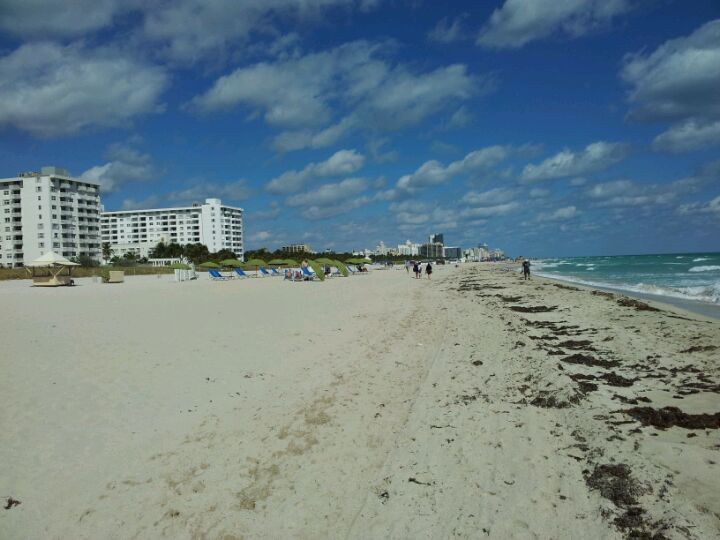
(138, 231)
(48, 211)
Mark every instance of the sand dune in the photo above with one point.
(472, 406)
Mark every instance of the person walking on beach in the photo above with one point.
(416, 269)
(526, 269)
(407, 266)
(428, 270)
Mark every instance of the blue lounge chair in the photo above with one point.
(307, 273)
(240, 273)
(217, 276)
(263, 271)
(274, 272)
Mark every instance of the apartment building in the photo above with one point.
(138, 231)
(296, 248)
(48, 211)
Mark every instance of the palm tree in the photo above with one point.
(107, 251)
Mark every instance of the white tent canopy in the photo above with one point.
(52, 259)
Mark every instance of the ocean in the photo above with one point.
(685, 276)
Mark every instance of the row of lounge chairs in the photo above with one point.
(239, 273)
(293, 274)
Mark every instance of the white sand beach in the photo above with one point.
(374, 406)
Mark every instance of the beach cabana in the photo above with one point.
(52, 275)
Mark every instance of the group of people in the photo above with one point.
(417, 269)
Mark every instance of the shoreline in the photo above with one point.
(704, 309)
(362, 407)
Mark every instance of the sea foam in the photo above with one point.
(704, 268)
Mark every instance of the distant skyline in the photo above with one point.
(587, 127)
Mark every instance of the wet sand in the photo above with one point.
(475, 405)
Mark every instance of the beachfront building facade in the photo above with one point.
(432, 250)
(211, 223)
(454, 253)
(296, 248)
(48, 211)
(408, 249)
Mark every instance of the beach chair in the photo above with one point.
(263, 271)
(307, 273)
(240, 273)
(217, 276)
(274, 272)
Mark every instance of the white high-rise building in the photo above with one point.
(48, 211)
(138, 231)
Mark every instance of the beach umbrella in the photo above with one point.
(291, 262)
(256, 263)
(231, 263)
(209, 264)
(317, 267)
(52, 259)
(277, 262)
(325, 260)
(180, 266)
(343, 269)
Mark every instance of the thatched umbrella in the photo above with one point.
(277, 262)
(208, 265)
(291, 262)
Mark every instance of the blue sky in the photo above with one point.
(542, 127)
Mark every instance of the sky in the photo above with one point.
(542, 127)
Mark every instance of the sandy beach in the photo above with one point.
(475, 405)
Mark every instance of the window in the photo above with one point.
(40, 226)
(41, 244)
(38, 189)
(39, 197)
(41, 235)
(52, 197)
(39, 206)
(54, 216)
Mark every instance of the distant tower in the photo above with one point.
(437, 239)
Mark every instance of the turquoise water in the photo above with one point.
(689, 276)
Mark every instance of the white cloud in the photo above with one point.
(711, 207)
(561, 214)
(490, 197)
(50, 90)
(619, 193)
(610, 189)
(679, 80)
(580, 181)
(49, 18)
(126, 164)
(341, 163)
(433, 172)
(191, 30)
(448, 30)
(490, 211)
(538, 193)
(306, 93)
(518, 22)
(688, 135)
(229, 192)
(460, 118)
(595, 157)
(329, 194)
